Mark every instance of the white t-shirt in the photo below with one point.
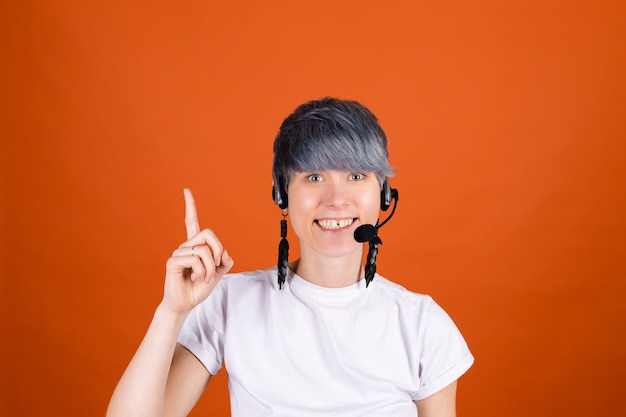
(307, 350)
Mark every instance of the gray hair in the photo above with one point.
(330, 134)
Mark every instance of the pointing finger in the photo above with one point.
(191, 214)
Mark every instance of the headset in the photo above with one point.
(279, 193)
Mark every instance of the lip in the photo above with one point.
(337, 227)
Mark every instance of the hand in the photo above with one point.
(196, 266)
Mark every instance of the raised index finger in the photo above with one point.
(191, 214)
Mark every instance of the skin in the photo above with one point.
(331, 257)
(165, 379)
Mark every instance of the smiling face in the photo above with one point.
(326, 207)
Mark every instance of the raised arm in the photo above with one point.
(163, 378)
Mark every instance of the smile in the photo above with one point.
(329, 224)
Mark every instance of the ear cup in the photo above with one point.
(279, 194)
(385, 196)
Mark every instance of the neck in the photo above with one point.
(329, 272)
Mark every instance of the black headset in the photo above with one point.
(279, 194)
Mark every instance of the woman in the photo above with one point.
(320, 336)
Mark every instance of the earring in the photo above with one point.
(370, 265)
(283, 252)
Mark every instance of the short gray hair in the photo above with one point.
(330, 134)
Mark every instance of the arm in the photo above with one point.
(186, 382)
(440, 404)
(149, 380)
(163, 378)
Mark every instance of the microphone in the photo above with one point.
(365, 233)
(369, 232)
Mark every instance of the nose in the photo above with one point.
(336, 193)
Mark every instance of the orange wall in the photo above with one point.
(507, 123)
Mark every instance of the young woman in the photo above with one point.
(320, 336)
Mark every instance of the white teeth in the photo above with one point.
(334, 224)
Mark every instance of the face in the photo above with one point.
(326, 207)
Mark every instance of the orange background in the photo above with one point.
(506, 120)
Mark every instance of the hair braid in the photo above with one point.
(283, 254)
(370, 265)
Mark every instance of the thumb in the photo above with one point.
(226, 263)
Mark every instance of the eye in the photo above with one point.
(357, 176)
(315, 178)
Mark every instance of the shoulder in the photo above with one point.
(241, 286)
(390, 290)
(420, 306)
(238, 286)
